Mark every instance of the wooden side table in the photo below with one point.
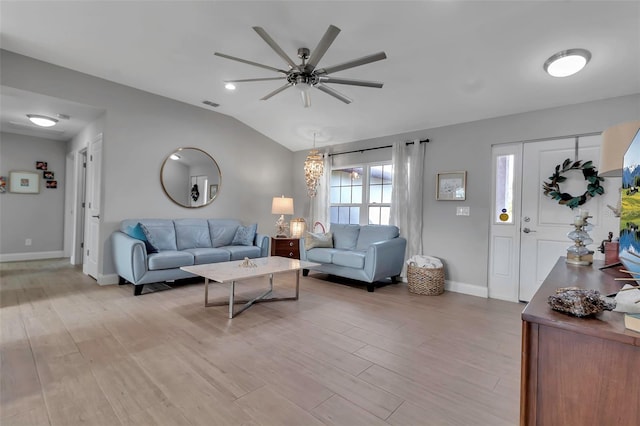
(285, 247)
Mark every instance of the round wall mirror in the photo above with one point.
(190, 177)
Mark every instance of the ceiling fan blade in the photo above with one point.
(355, 63)
(262, 33)
(244, 61)
(362, 83)
(317, 54)
(332, 92)
(306, 98)
(245, 80)
(275, 92)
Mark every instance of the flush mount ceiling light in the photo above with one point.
(42, 120)
(567, 62)
(230, 86)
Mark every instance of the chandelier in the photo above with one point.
(313, 169)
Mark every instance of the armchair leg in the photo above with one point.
(137, 289)
(370, 288)
(305, 272)
(121, 281)
(395, 280)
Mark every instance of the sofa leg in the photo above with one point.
(305, 272)
(121, 281)
(395, 280)
(370, 288)
(137, 289)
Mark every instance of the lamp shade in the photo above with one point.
(282, 205)
(615, 141)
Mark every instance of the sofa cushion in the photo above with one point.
(345, 236)
(222, 231)
(245, 235)
(192, 233)
(136, 231)
(312, 240)
(370, 234)
(240, 252)
(209, 255)
(169, 259)
(321, 255)
(351, 259)
(161, 233)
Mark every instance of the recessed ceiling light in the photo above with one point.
(567, 62)
(42, 120)
(174, 156)
(230, 86)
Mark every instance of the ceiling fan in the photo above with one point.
(306, 75)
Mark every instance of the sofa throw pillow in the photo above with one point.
(151, 245)
(312, 240)
(137, 233)
(245, 235)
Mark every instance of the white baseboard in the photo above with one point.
(107, 279)
(17, 257)
(464, 288)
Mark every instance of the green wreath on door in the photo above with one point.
(552, 189)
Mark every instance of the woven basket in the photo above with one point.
(428, 281)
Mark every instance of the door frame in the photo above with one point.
(494, 289)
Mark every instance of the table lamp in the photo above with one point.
(282, 206)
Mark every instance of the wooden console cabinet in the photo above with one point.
(578, 371)
(285, 247)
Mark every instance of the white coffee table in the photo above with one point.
(231, 272)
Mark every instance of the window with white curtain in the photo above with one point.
(361, 194)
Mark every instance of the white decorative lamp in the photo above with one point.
(282, 206)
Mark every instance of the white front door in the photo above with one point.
(523, 252)
(92, 208)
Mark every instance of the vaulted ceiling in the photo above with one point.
(447, 61)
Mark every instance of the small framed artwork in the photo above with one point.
(41, 165)
(213, 191)
(24, 182)
(3, 184)
(451, 186)
(51, 184)
(48, 175)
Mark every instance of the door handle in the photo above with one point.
(527, 230)
(97, 216)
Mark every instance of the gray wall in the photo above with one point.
(462, 242)
(140, 129)
(35, 216)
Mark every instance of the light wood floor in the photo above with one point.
(76, 353)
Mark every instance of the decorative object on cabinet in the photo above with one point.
(282, 206)
(286, 247)
(298, 226)
(579, 254)
(451, 186)
(24, 182)
(580, 302)
(590, 173)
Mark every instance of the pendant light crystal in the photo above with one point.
(313, 169)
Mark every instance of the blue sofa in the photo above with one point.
(179, 242)
(366, 253)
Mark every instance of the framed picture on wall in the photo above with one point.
(451, 186)
(41, 165)
(24, 182)
(213, 191)
(48, 175)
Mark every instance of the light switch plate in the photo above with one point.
(463, 211)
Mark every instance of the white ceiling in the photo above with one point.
(448, 61)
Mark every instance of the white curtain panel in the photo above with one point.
(320, 203)
(407, 194)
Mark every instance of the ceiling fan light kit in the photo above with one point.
(306, 75)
